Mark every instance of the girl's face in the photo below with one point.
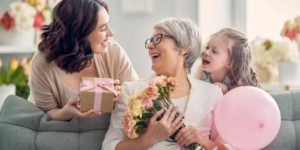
(215, 58)
(99, 38)
(164, 54)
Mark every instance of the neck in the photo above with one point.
(217, 76)
(181, 77)
(183, 83)
(90, 71)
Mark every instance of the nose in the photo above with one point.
(110, 32)
(205, 53)
(150, 45)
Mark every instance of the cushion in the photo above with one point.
(288, 137)
(24, 126)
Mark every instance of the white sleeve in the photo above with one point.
(115, 132)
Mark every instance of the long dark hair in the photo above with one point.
(241, 73)
(64, 40)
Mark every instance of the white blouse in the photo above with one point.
(181, 103)
(199, 107)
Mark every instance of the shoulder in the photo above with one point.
(202, 85)
(113, 44)
(135, 86)
(202, 88)
(40, 64)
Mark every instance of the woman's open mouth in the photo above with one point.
(154, 56)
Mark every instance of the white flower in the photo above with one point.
(23, 14)
(270, 51)
(285, 50)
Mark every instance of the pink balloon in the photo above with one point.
(247, 118)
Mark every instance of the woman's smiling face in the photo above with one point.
(164, 53)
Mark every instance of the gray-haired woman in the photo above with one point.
(173, 48)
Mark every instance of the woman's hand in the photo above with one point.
(71, 109)
(223, 86)
(117, 89)
(189, 135)
(161, 129)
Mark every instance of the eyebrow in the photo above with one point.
(103, 25)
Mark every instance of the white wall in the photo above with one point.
(4, 5)
(131, 30)
(214, 15)
(266, 18)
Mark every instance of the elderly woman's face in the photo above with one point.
(164, 54)
(99, 38)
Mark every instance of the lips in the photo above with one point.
(205, 62)
(105, 43)
(154, 55)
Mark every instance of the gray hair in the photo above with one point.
(187, 36)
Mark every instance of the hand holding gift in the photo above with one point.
(97, 94)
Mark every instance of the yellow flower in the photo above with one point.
(38, 4)
(135, 106)
(13, 64)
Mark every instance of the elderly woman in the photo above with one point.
(173, 48)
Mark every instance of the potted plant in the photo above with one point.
(281, 55)
(15, 77)
(19, 22)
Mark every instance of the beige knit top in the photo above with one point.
(47, 87)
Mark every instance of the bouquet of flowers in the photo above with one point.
(16, 73)
(24, 15)
(142, 106)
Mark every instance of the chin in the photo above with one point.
(155, 69)
(204, 68)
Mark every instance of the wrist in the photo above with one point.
(148, 140)
(67, 113)
(60, 114)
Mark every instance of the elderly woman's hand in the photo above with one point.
(189, 135)
(160, 129)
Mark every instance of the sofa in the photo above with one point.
(25, 127)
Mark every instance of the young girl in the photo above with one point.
(226, 61)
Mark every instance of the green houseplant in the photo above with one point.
(16, 73)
